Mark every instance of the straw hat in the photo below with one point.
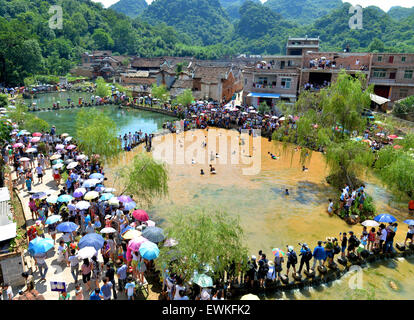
(271, 264)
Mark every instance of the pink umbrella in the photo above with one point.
(60, 147)
(18, 145)
(35, 139)
(70, 147)
(397, 146)
(37, 134)
(150, 223)
(134, 244)
(393, 136)
(140, 215)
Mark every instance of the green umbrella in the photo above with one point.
(203, 280)
(57, 161)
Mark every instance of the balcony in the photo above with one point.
(382, 81)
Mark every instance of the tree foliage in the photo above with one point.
(185, 98)
(160, 92)
(206, 241)
(145, 178)
(96, 133)
(102, 88)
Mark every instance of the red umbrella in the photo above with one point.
(397, 146)
(134, 244)
(393, 136)
(140, 215)
(37, 134)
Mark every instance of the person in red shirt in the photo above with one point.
(411, 206)
(31, 233)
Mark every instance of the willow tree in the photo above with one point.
(102, 89)
(185, 98)
(327, 120)
(160, 93)
(96, 133)
(208, 242)
(145, 178)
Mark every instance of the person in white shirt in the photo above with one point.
(178, 287)
(330, 207)
(9, 291)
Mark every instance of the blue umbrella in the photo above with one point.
(106, 196)
(64, 198)
(96, 176)
(202, 280)
(40, 245)
(53, 219)
(67, 227)
(149, 250)
(409, 222)
(129, 205)
(153, 234)
(91, 240)
(39, 195)
(385, 218)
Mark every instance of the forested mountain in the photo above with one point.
(400, 13)
(204, 21)
(303, 11)
(131, 8)
(232, 7)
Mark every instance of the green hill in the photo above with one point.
(131, 8)
(400, 13)
(232, 7)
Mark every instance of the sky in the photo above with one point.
(383, 4)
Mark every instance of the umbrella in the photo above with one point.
(106, 196)
(370, 223)
(250, 297)
(278, 252)
(410, 222)
(153, 234)
(67, 227)
(397, 146)
(108, 230)
(52, 199)
(68, 139)
(136, 242)
(53, 219)
(149, 250)
(124, 199)
(81, 157)
(58, 166)
(18, 145)
(72, 165)
(91, 195)
(90, 183)
(170, 242)
(79, 192)
(39, 195)
(113, 202)
(282, 119)
(87, 252)
(67, 161)
(55, 157)
(91, 240)
(109, 190)
(83, 205)
(64, 198)
(36, 134)
(24, 159)
(30, 150)
(140, 215)
(96, 176)
(385, 218)
(202, 280)
(129, 205)
(57, 161)
(71, 147)
(60, 147)
(131, 234)
(63, 135)
(392, 136)
(40, 245)
(150, 223)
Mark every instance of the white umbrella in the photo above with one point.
(30, 150)
(64, 135)
(87, 252)
(90, 183)
(249, 297)
(113, 201)
(58, 166)
(72, 165)
(370, 223)
(282, 119)
(68, 138)
(24, 159)
(108, 230)
(55, 157)
(83, 205)
(251, 108)
(109, 190)
(60, 147)
(81, 157)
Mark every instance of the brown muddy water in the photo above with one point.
(268, 216)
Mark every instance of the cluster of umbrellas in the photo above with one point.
(384, 218)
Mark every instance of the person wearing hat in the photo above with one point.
(292, 260)
(40, 229)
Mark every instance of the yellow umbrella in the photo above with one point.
(91, 195)
(64, 135)
(113, 201)
(249, 297)
(131, 234)
(55, 157)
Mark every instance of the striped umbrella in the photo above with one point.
(277, 252)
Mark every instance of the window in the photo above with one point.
(379, 73)
(403, 93)
(286, 83)
(391, 59)
(403, 59)
(408, 74)
(245, 82)
(379, 58)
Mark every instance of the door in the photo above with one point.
(392, 75)
(282, 64)
(391, 59)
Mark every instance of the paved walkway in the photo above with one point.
(57, 271)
